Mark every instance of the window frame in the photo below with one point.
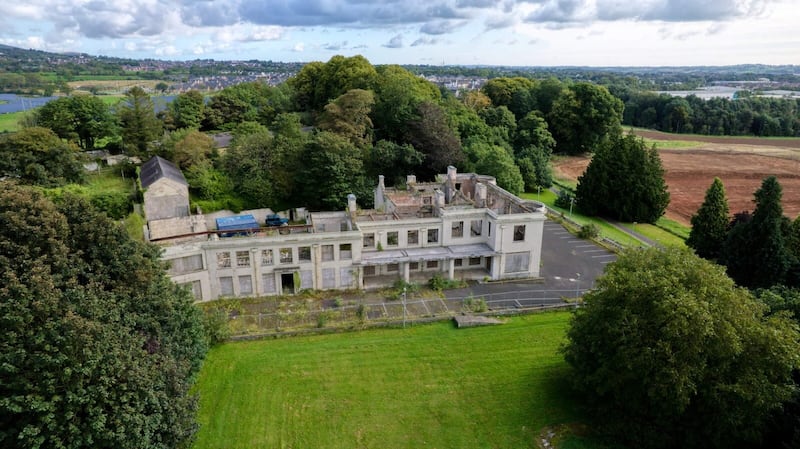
(519, 233)
(457, 229)
(242, 259)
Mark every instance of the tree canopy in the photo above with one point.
(710, 223)
(625, 181)
(82, 119)
(670, 353)
(99, 348)
(755, 250)
(582, 116)
(139, 125)
(38, 156)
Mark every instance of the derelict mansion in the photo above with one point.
(462, 227)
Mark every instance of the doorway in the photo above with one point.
(287, 283)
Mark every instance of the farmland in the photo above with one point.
(741, 163)
(424, 386)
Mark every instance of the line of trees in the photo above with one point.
(745, 115)
(760, 249)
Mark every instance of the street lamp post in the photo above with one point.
(578, 286)
(404, 307)
(571, 202)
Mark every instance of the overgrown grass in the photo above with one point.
(107, 180)
(134, 224)
(422, 387)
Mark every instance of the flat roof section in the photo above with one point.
(425, 254)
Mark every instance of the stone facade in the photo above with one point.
(464, 227)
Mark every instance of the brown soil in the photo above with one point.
(741, 167)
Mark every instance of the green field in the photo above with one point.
(427, 386)
(10, 122)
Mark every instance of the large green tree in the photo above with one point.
(494, 161)
(348, 116)
(99, 348)
(332, 169)
(318, 83)
(81, 118)
(430, 133)
(398, 94)
(139, 126)
(533, 146)
(186, 111)
(710, 223)
(755, 251)
(670, 353)
(583, 116)
(625, 181)
(37, 156)
(265, 166)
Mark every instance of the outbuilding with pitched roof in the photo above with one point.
(166, 192)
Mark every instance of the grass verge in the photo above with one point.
(425, 386)
(656, 233)
(606, 230)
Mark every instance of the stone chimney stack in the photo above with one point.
(480, 194)
(411, 180)
(438, 199)
(379, 191)
(351, 204)
(451, 173)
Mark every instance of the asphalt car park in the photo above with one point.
(570, 267)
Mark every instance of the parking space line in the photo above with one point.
(604, 255)
(596, 251)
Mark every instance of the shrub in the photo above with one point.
(215, 326)
(361, 312)
(322, 318)
(439, 283)
(589, 231)
(475, 305)
(116, 204)
(564, 199)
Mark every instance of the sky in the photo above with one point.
(438, 32)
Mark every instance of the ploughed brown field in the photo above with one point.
(741, 164)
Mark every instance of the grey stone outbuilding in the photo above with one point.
(166, 192)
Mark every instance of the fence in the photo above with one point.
(418, 309)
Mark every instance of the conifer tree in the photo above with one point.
(710, 223)
(625, 181)
(755, 252)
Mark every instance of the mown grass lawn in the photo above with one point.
(426, 386)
